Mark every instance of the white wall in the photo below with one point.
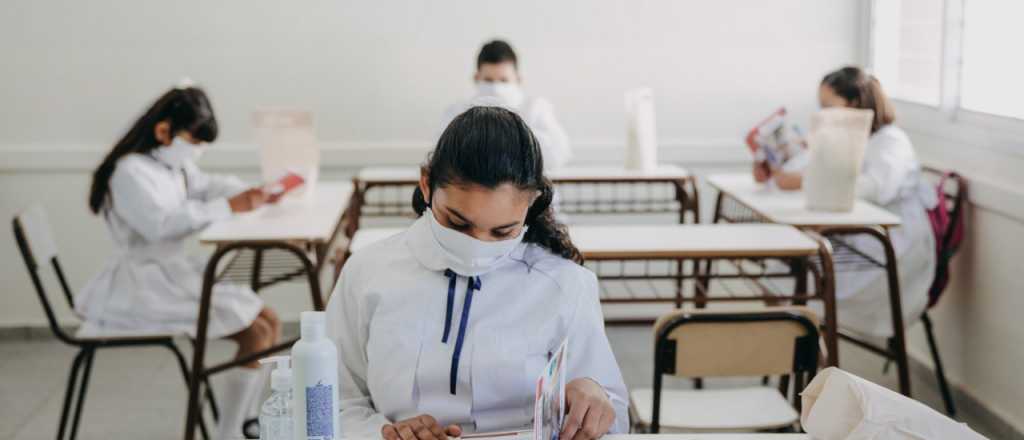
(978, 322)
(76, 74)
(81, 71)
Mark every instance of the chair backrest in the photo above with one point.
(764, 342)
(947, 220)
(38, 248)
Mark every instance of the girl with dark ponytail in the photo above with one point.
(400, 319)
(152, 196)
(521, 167)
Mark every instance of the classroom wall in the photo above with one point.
(378, 75)
(978, 324)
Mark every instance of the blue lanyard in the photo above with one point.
(473, 283)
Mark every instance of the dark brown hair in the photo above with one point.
(496, 52)
(862, 90)
(492, 146)
(185, 109)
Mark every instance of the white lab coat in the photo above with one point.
(387, 318)
(539, 115)
(149, 284)
(891, 178)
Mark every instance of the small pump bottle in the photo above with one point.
(276, 418)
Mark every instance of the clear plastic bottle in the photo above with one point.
(276, 418)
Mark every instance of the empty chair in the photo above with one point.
(776, 341)
(39, 250)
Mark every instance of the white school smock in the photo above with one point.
(387, 318)
(539, 115)
(890, 177)
(149, 284)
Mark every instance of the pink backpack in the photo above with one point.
(948, 227)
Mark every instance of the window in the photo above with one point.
(906, 41)
(960, 56)
(992, 76)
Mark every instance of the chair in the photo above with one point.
(953, 192)
(38, 248)
(773, 341)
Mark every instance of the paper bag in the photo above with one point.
(836, 142)
(641, 139)
(288, 145)
(840, 406)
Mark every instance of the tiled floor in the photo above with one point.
(139, 393)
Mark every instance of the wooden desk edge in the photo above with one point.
(814, 226)
(709, 254)
(263, 241)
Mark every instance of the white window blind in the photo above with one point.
(993, 57)
(906, 40)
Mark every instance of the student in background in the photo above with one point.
(444, 328)
(890, 177)
(152, 197)
(498, 84)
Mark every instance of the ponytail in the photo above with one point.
(546, 231)
(185, 109)
(491, 146)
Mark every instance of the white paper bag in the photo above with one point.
(641, 139)
(288, 144)
(836, 143)
(840, 406)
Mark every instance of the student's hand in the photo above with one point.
(590, 412)
(761, 172)
(422, 427)
(247, 200)
(787, 180)
(273, 198)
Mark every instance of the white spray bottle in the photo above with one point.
(315, 365)
(276, 418)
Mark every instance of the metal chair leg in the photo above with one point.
(209, 391)
(90, 354)
(69, 393)
(183, 366)
(940, 373)
(214, 410)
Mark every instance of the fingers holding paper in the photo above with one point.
(590, 412)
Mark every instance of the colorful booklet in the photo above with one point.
(549, 397)
(773, 142)
(282, 186)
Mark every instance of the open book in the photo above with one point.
(548, 404)
(774, 142)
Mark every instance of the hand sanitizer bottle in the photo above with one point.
(276, 422)
(315, 360)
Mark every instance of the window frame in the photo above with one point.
(948, 116)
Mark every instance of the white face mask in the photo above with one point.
(178, 153)
(509, 94)
(469, 256)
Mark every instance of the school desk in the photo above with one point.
(273, 244)
(667, 189)
(741, 199)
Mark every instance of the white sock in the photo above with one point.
(261, 394)
(240, 385)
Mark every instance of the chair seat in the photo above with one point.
(738, 409)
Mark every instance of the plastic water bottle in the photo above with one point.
(315, 360)
(276, 418)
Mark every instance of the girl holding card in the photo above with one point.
(152, 196)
